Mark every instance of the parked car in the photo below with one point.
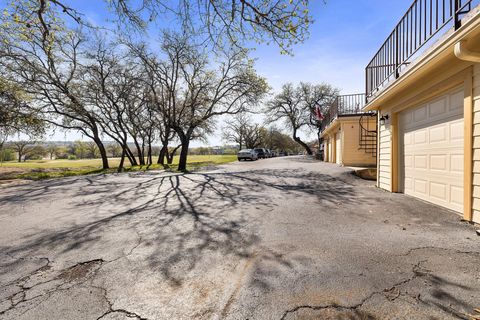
(274, 153)
(261, 153)
(268, 153)
(249, 154)
(282, 154)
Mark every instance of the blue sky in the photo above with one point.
(344, 37)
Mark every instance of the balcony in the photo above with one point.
(423, 23)
(343, 105)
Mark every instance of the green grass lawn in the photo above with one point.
(43, 169)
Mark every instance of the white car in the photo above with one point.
(249, 154)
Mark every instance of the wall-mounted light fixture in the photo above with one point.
(383, 118)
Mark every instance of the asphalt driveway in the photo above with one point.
(284, 238)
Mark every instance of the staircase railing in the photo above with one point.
(368, 134)
(348, 104)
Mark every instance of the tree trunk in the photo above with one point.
(303, 144)
(149, 152)
(161, 156)
(122, 160)
(103, 151)
(172, 154)
(131, 156)
(141, 159)
(182, 162)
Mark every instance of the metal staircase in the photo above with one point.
(368, 134)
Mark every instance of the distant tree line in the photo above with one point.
(248, 134)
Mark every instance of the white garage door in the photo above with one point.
(338, 148)
(330, 150)
(431, 151)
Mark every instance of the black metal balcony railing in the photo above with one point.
(423, 21)
(350, 104)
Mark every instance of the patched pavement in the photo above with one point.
(284, 238)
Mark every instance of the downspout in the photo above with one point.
(463, 53)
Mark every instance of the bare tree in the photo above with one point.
(52, 150)
(284, 22)
(43, 59)
(235, 129)
(157, 74)
(21, 148)
(196, 93)
(92, 150)
(15, 116)
(114, 149)
(317, 96)
(295, 107)
(254, 136)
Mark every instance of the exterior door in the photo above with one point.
(431, 151)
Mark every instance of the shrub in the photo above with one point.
(72, 157)
(7, 155)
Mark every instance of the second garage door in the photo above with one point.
(338, 148)
(431, 151)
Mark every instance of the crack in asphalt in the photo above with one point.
(417, 273)
(410, 251)
(111, 310)
(355, 307)
(24, 278)
(69, 275)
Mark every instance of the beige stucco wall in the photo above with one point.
(351, 154)
(476, 143)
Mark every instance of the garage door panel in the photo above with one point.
(456, 132)
(408, 185)
(420, 162)
(420, 114)
(456, 195)
(437, 108)
(408, 161)
(408, 138)
(456, 163)
(456, 101)
(420, 137)
(437, 134)
(431, 151)
(438, 191)
(420, 186)
(438, 162)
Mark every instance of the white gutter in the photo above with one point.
(463, 53)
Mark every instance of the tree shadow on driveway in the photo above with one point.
(172, 224)
(178, 217)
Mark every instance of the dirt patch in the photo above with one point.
(7, 173)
